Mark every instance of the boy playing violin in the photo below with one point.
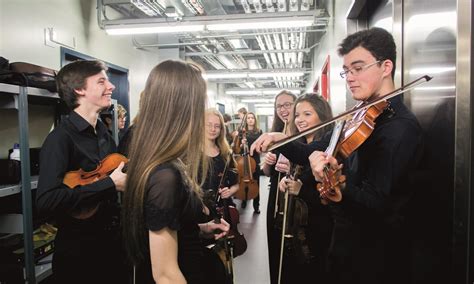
(370, 238)
(87, 245)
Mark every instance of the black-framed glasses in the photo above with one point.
(286, 105)
(356, 70)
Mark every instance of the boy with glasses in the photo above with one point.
(370, 242)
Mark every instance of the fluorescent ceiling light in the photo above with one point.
(440, 88)
(264, 105)
(251, 75)
(257, 101)
(224, 75)
(148, 29)
(273, 74)
(432, 70)
(193, 25)
(259, 92)
(260, 25)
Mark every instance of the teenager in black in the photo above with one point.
(370, 241)
(163, 209)
(218, 150)
(252, 133)
(284, 103)
(307, 258)
(87, 245)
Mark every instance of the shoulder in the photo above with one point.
(58, 138)
(164, 174)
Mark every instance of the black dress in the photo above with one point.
(307, 258)
(170, 202)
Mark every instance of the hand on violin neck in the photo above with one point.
(292, 186)
(320, 162)
(215, 229)
(265, 140)
(119, 178)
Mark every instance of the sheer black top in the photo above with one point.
(170, 202)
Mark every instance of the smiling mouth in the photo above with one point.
(302, 127)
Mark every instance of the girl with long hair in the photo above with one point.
(162, 206)
(309, 110)
(253, 132)
(218, 150)
(283, 113)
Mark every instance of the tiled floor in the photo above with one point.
(252, 266)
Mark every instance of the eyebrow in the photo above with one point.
(354, 62)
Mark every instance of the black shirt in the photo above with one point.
(372, 210)
(170, 202)
(71, 146)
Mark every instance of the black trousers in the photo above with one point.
(89, 257)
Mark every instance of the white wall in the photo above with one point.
(22, 38)
(22, 24)
(336, 32)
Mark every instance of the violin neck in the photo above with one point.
(336, 135)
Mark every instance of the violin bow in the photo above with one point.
(364, 105)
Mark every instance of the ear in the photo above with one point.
(388, 67)
(80, 92)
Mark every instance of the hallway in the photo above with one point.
(252, 266)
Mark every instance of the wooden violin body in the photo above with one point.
(296, 244)
(355, 132)
(80, 177)
(238, 241)
(248, 186)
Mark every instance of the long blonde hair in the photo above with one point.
(170, 129)
(221, 140)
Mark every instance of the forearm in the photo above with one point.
(170, 276)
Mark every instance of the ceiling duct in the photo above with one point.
(151, 8)
(194, 6)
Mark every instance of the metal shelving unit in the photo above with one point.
(18, 97)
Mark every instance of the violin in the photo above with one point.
(246, 166)
(234, 243)
(345, 115)
(79, 177)
(349, 135)
(293, 227)
(352, 129)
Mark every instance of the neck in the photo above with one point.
(250, 127)
(387, 87)
(309, 138)
(211, 146)
(90, 115)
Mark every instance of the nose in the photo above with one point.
(350, 77)
(110, 86)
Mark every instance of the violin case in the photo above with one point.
(10, 170)
(27, 74)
